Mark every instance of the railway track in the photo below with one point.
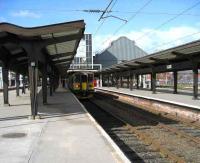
(127, 99)
(134, 148)
(176, 141)
(182, 127)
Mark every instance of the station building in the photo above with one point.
(83, 58)
(122, 49)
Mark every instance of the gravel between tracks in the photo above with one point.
(148, 124)
(135, 149)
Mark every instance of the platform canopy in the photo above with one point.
(182, 57)
(54, 44)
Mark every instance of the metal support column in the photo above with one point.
(137, 81)
(117, 81)
(100, 80)
(63, 82)
(108, 79)
(103, 80)
(33, 77)
(121, 81)
(50, 84)
(23, 85)
(17, 83)
(54, 82)
(175, 82)
(195, 82)
(142, 80)
(5, 85)
(131, 81)
(153, 82)
(128, 82)
(44, 83)
(112, 81)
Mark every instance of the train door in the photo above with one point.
(91, 82)
(84, 84)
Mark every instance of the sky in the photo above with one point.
(152, 24)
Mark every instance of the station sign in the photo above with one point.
(169, 66)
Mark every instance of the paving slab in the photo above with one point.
(64, 134)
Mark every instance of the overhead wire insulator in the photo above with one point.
(96, 11)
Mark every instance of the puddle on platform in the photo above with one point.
(14, 135)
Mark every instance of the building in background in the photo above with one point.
(11, 79)
(83, 58)
(122, 49)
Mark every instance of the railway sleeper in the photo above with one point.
(155, 145)
(125, 139)
(145, 138)
(143, 157)
(174, 130)
(144, 149)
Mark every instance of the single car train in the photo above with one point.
(82, 84)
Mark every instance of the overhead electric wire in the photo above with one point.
(105, 10)
(169, 20)
(176, 15)
(132, 17)
(172, 41)
(97, 11)
(154, 13)
(98, 28)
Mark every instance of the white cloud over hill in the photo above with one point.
(152, 40)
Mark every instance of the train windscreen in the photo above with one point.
(90, 77)
(83, 78)
(77, 79)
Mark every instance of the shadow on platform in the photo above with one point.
(14, 118)
(61, 104)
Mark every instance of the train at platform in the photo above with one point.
(82, 84)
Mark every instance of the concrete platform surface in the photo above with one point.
(63, 135)
(178, 99)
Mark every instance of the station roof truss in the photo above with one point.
(183, 57)
(55, 44)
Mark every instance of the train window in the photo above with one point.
(90, 77)
(83, 78)
(77, 79)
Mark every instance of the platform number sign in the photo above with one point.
(169, 66)
(32, 64)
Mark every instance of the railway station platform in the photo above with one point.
(179, 99)
(64, 133)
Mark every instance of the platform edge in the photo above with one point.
(116, 149)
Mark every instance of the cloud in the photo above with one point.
(153, 40)
(26, 14)
(2, 19)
